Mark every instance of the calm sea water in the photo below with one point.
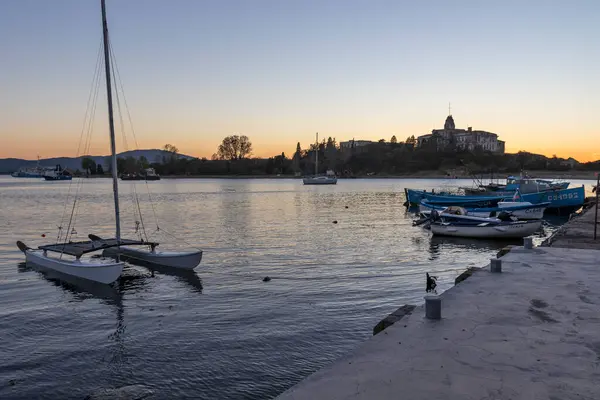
(220, 332)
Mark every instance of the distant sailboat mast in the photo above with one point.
(111, 122)
(317, 156)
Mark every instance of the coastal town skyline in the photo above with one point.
(196, 72)
(361, 141)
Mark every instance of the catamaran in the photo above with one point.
(66, 257)
(99, 270)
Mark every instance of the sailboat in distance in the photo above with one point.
(319, 179)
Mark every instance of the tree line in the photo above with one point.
(393, 157)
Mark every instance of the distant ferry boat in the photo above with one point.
(27, 173)
(35, 172)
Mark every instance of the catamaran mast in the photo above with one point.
(317, 157)
(111, 124)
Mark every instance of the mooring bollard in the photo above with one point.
(528, 242)
(496, 265)
(433, 307)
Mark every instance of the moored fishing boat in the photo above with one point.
(457, 214)
(523, 183)
(148, 174)
(486, 230)
(415, 197)
(520, 210)
(320, 180)
(566, 200)
(57, 174)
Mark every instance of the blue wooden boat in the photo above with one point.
(570, 199)
(523, 184)
(564, 199)
(414, 198)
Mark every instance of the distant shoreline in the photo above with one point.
(585, 175)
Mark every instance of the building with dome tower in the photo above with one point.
(465, 139)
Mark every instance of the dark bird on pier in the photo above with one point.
(431, 283)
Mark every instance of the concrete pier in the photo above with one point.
(578, 233)
(530, 332)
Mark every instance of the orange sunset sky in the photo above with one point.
(195, 72)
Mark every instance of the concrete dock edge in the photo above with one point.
(530, 332)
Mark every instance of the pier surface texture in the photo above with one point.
(530, 332)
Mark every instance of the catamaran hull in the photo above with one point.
(500, 231)
(187, 260)
(97, 272)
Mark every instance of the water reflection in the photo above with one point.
(112, 295)
(327, 276)
(438, 245)
(187, 277)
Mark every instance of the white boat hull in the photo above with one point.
(102, 271)
(489, 231)
(321, 180)
(181, 260)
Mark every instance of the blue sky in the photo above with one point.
(279, 71)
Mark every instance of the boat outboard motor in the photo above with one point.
(504, 216)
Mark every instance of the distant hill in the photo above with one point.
(8, 165)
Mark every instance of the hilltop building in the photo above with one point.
(353, 144)
(468, 139)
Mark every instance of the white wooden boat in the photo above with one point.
(519, 209)
(319, 179)
(148, 255)
(97, 270)
(456, 214)
(487, 230)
